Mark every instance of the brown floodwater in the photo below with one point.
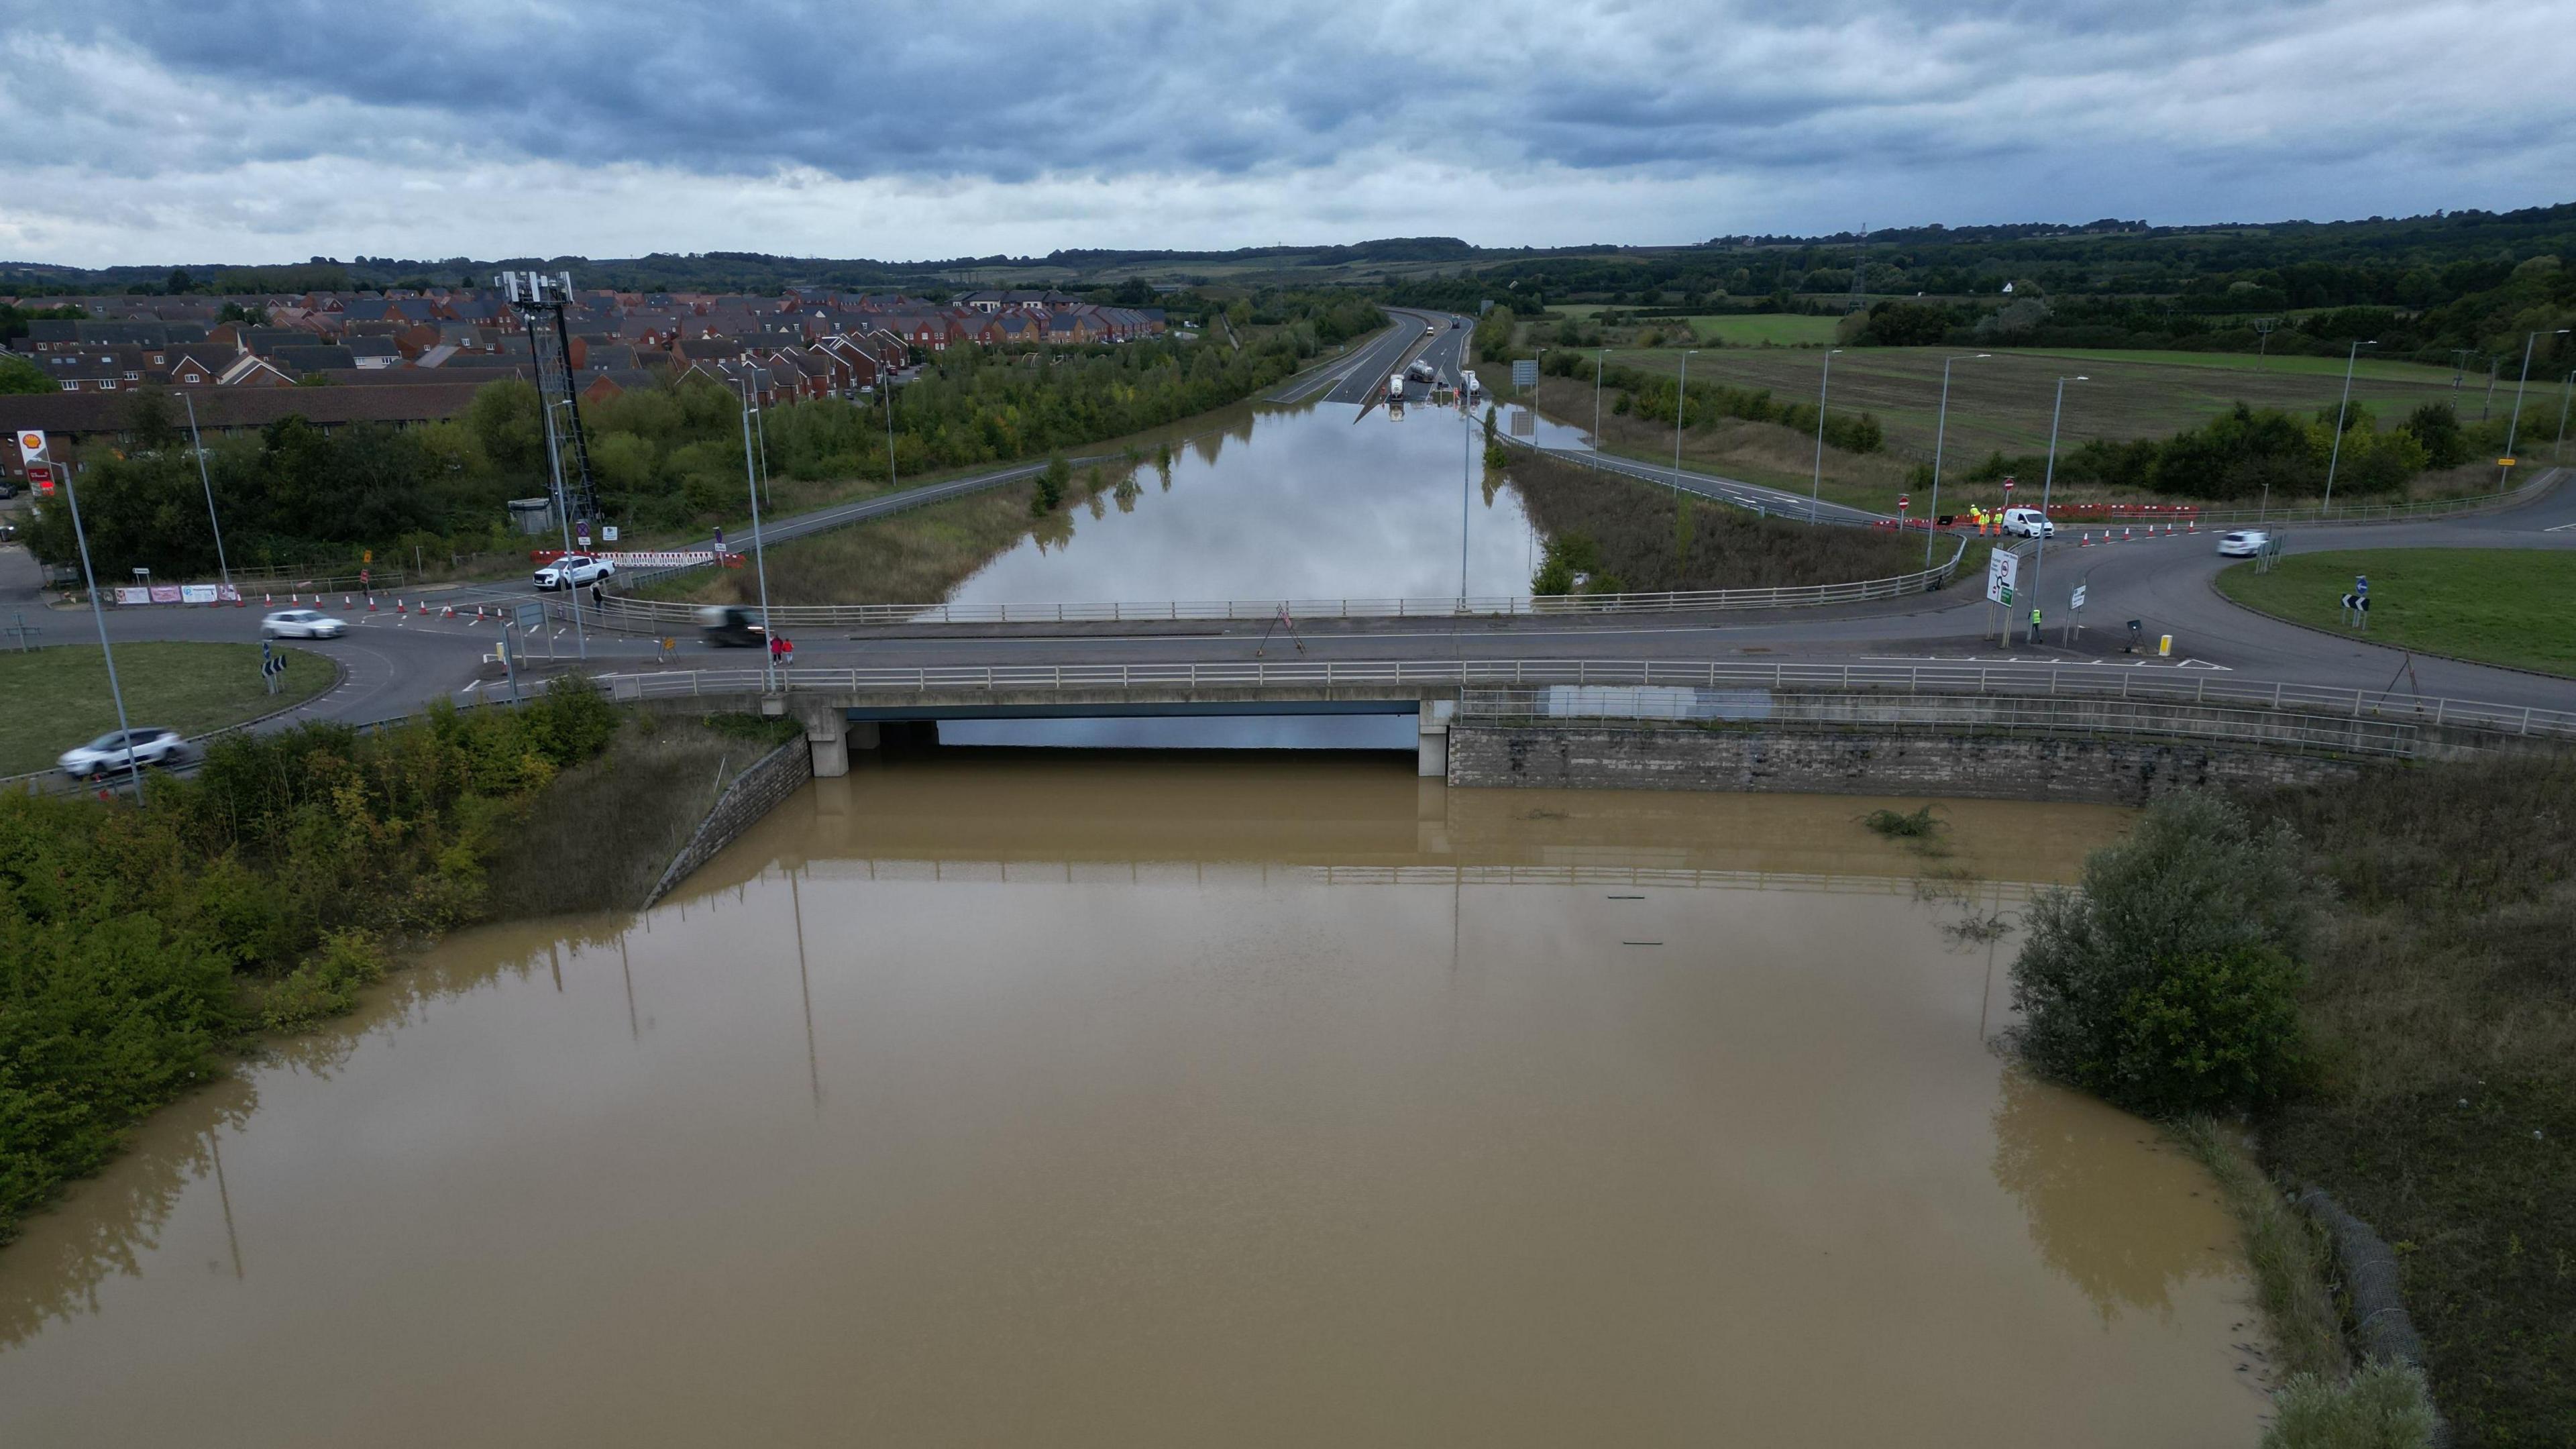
(999, 1098)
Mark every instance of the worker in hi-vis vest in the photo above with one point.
(2034, 626)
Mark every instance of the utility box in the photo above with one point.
(533, 516)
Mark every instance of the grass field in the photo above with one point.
(2004, 401)
(60, 696)
(2495, 605)
(1779, 329)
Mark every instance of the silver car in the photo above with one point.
(301, 624)
(2242, 543)
(145, 746)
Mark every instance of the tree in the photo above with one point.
(2168, 983)
(2437, 428)
(179, 282)
(1051, 485)
(18, 375)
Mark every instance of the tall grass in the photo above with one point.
(607, 829)
(2441, 1012)
(1640, 539)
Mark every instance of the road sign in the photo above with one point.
(1904, 500)
(2077, 601)
(530, 616)
(2505, 462)
(2003, 570)
(608, 533)
(1525, 373)
(367, 556)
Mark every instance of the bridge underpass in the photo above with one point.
(1253, 719)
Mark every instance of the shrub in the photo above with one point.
(327, 984)
(2382, 1407)
(2168, 983)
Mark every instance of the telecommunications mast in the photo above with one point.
(1860, 272)
(540, 301)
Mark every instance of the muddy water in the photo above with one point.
(1319, 502)
(1000, 1100)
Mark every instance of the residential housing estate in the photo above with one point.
(406, 357)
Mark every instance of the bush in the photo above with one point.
(326, 985)
(2169, 982)
(2382, 1407)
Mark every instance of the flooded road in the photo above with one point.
(987, 1098)
(1315, 502)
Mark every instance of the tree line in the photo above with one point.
(2246, 452)
(1653, 396)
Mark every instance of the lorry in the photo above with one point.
(1421, 372)
(1395, 389)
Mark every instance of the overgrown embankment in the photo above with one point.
(918, 556)
(2440, 1010)
(140, 947)
(2379, 980)
(1632, 537)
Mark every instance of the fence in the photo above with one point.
(2115, 683)
(652, 615)
(1979, 714)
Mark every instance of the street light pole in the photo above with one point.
(1824, 389)
(198, 444)
(2342, 409)
(1466, 487)
(563, 515)
(2513, 428)
(1681, 404)
(1600, 365)
(1940, 431)
(125, 731)
(885, 381)
(759, 559)
(2566, 391)
(2039, 557)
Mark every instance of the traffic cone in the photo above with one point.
(2124, 533)
(448, 613)
(371, 603)
(344, 600)
(2191, 525)
(2086, 541)
(267, 599)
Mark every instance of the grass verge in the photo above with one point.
(605, 830)
(60, 696)
(1650, 540)
(2440, 1014)
(2496, 606)
(2289, 1258)
(914, 557)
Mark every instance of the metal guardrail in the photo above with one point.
(1982, 714)
(654, 614)
(2173, 686)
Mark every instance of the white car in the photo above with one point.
(150, 745)
(302, 624)
(2028, 523)
(2242, 543)
(575, 571)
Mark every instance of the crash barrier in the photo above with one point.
(654, 615)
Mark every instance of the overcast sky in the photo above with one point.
(157, 131)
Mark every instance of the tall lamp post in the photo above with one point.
(198, 445)
(2566, 391)
(1681, 405)
(1824, 389)
(2512, 429)
(2342, 409)
(759, 559)
(1600, 365)
(71, 496)
(2039, 557)
(1940, 431)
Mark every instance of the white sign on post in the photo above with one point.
(2076, 602)
(2003, 570)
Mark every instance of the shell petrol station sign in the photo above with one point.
(40, 465)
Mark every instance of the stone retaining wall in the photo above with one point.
(753, 794)
(2014, 767)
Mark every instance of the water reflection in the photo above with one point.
(2084, 1174)
(1309, 503)
(1288, 1101)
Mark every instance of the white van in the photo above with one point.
(2028, 523)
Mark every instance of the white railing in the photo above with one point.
(656, 614)
(2170, 685)
(2288, 728)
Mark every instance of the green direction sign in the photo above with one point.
(2007, 594)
